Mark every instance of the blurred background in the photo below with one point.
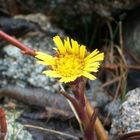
(111, 26)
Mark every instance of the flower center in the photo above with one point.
(69, 65)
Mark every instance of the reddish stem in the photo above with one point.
(78, 88)
(3, 124)
(17, 43)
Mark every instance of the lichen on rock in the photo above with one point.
(128, 117)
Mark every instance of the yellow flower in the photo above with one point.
(71, 61)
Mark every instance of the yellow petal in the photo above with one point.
(91, 69)
(88, 75)
(98, 57)
(43, 56)
(68, 79)
(59, 44)
(51, 73)
(64, 79)
(82, 51)
(67, 45)
(95, 52)
(49, 62)
(75, 47)
(95, 64)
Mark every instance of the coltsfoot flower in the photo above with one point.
(71, 61)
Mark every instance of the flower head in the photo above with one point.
(71, 61)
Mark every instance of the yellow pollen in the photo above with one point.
(69, 65)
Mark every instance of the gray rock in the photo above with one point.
(39, 18)
(43, 22)
(15, 129)
(128, 117)
(20, 132)
(21, 70)
(97, 94)
(102, 7)
(132, 35)
(112, 107)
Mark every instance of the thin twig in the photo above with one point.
(15, 42)
(121, 35)
(111, 82)
(115, 66)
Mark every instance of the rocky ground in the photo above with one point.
(128, 117)
(21, 77)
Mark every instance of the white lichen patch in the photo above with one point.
(128, 117)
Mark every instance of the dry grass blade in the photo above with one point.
(54, 132)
